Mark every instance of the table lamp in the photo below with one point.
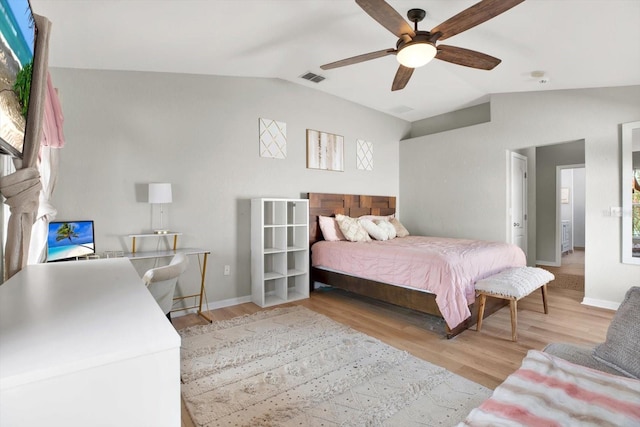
(160, 193)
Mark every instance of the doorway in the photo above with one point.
(570, 225)
(518, 195)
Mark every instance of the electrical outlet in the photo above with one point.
(227, 270)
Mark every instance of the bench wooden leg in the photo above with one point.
(513, 305)
(544, 298)
(483, 300)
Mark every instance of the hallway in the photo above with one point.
(570, 275)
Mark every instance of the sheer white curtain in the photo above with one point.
(48, 168)
(48, 160)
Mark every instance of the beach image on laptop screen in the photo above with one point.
(69, 240)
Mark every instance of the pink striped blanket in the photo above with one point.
(549, 391)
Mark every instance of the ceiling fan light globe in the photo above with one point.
(416, 55)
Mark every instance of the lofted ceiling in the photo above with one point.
(576, 43)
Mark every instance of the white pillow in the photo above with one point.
(388, 227)
(400, 230)
(375, 218)
(352, 229)
(374, 231)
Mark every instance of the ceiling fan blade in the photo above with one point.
(466, 57)
(474, 15)
(386, 16)
(402, 78)
(359, 58)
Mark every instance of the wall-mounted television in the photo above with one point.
(17, 47)
(70, 240)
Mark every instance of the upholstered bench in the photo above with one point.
(513, 284)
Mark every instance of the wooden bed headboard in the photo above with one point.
(352, 205)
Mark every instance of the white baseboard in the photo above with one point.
(600, 303)
(214, 305)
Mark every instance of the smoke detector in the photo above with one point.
(540, 76)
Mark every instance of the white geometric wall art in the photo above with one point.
(364, 155)
(273, 139)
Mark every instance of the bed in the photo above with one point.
(388, 289)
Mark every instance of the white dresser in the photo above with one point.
(83, 343)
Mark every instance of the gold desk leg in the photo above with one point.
(175, 242)
(133, 245)
(203, 292)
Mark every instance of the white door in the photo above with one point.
(518, 220)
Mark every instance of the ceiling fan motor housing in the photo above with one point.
(420, 37)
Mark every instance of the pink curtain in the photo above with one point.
(52, 134)
(22, 188)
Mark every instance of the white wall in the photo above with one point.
(578, 207)
(454, 183)
(566, 181)
(200, 133)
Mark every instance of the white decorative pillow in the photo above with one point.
(374, 231)
(400, 230)
(388, 227)
(330, 230)
(375, 218)
(352, 230)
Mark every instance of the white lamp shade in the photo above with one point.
(159, 192)
(416, 55)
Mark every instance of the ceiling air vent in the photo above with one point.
(312, 77)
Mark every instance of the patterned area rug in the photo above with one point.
(294, 367)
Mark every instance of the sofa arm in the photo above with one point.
(579, 355)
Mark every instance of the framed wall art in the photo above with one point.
(325, 151)
(273, 139)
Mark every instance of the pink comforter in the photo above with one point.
(446, 267)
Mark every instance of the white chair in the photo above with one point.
(161, 282)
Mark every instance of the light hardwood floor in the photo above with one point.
(486, 357)
(571, 263)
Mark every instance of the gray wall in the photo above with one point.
(200, 133)
(453, 183)
(454, 120)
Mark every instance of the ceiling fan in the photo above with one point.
(416, 48)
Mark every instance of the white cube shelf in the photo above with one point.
(279, 250)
